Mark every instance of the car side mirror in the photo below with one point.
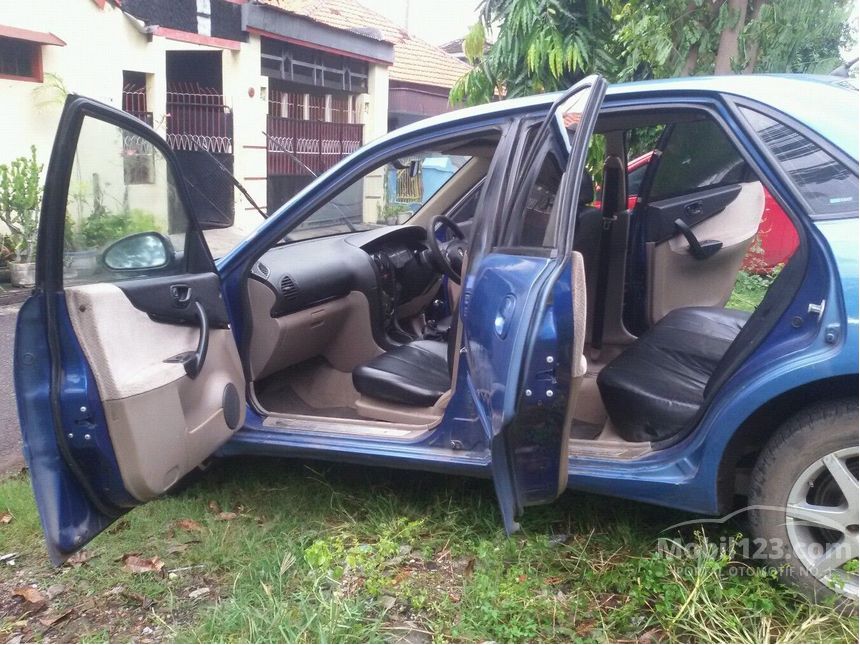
(138, 252)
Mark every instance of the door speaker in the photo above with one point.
(231, 405)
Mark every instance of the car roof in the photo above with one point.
(827, 105)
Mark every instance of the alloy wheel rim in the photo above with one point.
(822, 520)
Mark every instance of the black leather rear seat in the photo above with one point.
(657, 385)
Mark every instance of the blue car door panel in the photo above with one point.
(518, 327)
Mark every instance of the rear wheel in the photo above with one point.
(805, 498)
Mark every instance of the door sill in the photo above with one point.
(615, 450)
(346, 427)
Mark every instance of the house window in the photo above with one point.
(137, 155)
(20, 59)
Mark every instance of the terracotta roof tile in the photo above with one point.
(415, 61)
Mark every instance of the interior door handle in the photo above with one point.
(694, 209)
(699, 250)
(181, 294)
(193, 361)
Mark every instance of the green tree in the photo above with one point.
(544, 45)
(541, 45)
(686, 37)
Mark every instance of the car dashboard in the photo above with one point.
(390, 265)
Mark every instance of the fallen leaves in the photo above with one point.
(30, 595)
(133, 563)
(222, 516)
(6, 518)
(188, 525)
(79, 558)
(49, 620)
(175, 549)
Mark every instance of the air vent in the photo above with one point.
(263, 269)
(289, 289)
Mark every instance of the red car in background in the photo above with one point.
(776, 239)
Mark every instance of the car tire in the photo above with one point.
(800, 510)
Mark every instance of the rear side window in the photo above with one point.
(827, 185)
(698, 155)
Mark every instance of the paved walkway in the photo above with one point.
(11, 457)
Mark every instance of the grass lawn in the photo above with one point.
(278, 550)
(268, 550)
(749, 290)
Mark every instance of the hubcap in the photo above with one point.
(822, 520)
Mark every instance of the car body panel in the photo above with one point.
(682, 476)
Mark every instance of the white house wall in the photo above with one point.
(100, 44)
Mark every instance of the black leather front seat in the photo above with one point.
(413, 374)
(656, 386)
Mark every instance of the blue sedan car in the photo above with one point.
(450, 298)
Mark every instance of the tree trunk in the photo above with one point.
(727, 51)
(689, 67)
(753, 49)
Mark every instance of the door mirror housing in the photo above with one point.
(138, 252)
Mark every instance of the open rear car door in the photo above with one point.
(127, 374)
(524, 304)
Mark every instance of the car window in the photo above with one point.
(531, 225)
(386, 196)
(465, 209)
(121, 185)
(828, 186)
(634, 179)
(698, 155)
(640, 143)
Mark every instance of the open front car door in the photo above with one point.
(126, 371)
(524, 304)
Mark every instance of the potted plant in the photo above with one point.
(20, 200)
(6, 255)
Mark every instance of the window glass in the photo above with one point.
(640, 143)
(827, 185)
(532, 224)
(386, 196)
(19, 58)
(103, 208)
(466, 208)
(634, 179)
(698, 155)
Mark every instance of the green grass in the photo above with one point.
(750, 289)
(337, 553)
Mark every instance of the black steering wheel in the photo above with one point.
(447, 257)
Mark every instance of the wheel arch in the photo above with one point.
(751, 436)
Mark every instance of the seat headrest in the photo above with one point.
(586, 189)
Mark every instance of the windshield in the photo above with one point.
(386, 196)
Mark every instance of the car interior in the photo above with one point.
(353, 325)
